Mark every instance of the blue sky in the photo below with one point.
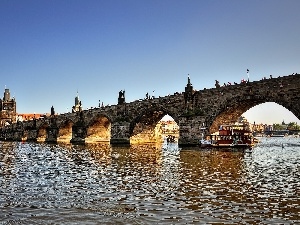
(52, 49)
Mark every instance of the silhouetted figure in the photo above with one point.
(52, 111)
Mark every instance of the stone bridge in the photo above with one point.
(136, 121)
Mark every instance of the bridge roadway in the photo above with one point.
(136, 121)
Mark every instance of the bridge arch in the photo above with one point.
(143, 127)
(41, 134)
(233, 108)
(98, 129)
(65, 131)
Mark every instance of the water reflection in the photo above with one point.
(146, 184)
(272, 176)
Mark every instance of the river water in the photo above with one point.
(150, 184)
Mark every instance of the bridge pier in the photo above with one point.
(17, 131)
(31, 135)
(52, 132)
(8, 134)
(31, 132)
(120, 133)
(18, 135)
(79, 132)
(191, 130)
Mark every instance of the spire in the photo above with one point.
(77, 106)
(188, 93)
(77, 99)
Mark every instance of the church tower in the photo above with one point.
(8, 113)
(77, 107)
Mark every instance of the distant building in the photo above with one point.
(7, 109)
(261, 128)
(30, 116)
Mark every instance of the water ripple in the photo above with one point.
(146, 184)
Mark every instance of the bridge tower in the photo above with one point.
(8, 113)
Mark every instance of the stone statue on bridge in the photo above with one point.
(52, 111)
(217, 84)
(121, 98)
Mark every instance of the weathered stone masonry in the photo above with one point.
(136, 121)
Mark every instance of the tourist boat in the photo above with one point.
(233, 135)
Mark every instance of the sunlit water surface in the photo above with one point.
(148, 184)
